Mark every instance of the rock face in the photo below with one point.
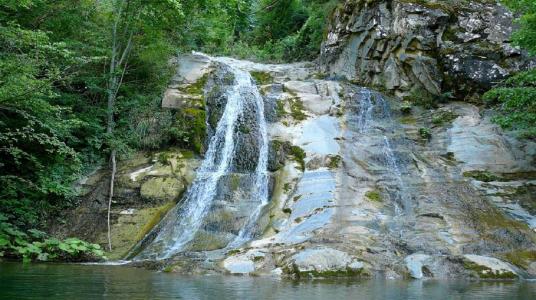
(323, 262)
(359, 190)
(415, 47)
(146, 187)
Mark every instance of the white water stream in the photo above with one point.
(181, 224)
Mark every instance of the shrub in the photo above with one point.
(36, 245)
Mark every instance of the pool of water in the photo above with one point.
(48, 281)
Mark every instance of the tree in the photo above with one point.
(130, 20)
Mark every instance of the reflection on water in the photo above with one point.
(36, 281)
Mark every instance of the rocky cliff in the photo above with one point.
(361, 185)
(419, 48)
(364, 186)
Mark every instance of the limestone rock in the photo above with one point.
(162, 188)
(324, 262)
(415, 264)
(489, 267)
(238, 265)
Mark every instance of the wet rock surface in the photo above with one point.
(358, 190)
(147, 186)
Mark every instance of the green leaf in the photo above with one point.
(38, 234)
(4, 242)
(52, 242)
(65, 247)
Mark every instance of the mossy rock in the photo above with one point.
(425, 133)
(484, 176)
(334, 161)
(421, 97)
(406, 108)
(408, 120)
(129, 229)
(442, 117)
(234, 181)
(197, 88)
(189, 129)
(262, 78)
(162, 189)
(520, 258)
(299, 155)
(208, 241)
(484, 272)
(374, 195)
(280, 109)
(297, 109)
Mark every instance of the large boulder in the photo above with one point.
(323, 262)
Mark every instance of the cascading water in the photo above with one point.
(365, 118)
(181, 224)
(366, 106)
(261, 176)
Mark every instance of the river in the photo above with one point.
(72, 281)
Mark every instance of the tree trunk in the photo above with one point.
(112, 179)
(118, 67)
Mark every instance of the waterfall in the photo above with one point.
(181, 224)
(365, 118)
(261, 176)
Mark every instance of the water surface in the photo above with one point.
(48, 281)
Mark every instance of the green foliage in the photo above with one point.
(425, 133)
(189, 129)
(36, 245)
(277, 19)
(514, 98)
(279, 31)
(515, 104)
(406, 108)
(525, 36)
(54, 58)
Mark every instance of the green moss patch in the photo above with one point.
(334, 161)
(197, 87)
(405, 108)
(262, 78)
(348, 272)
(297, 109)
(408, 120)
(425, 133)
(280, 109)
(374, 195)
(484, 176)
(520, 258)
(189, 129)
(487, 273)
(299, 155)
(442, 117)
(235, 182)
(130, 229)
(287, 187)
